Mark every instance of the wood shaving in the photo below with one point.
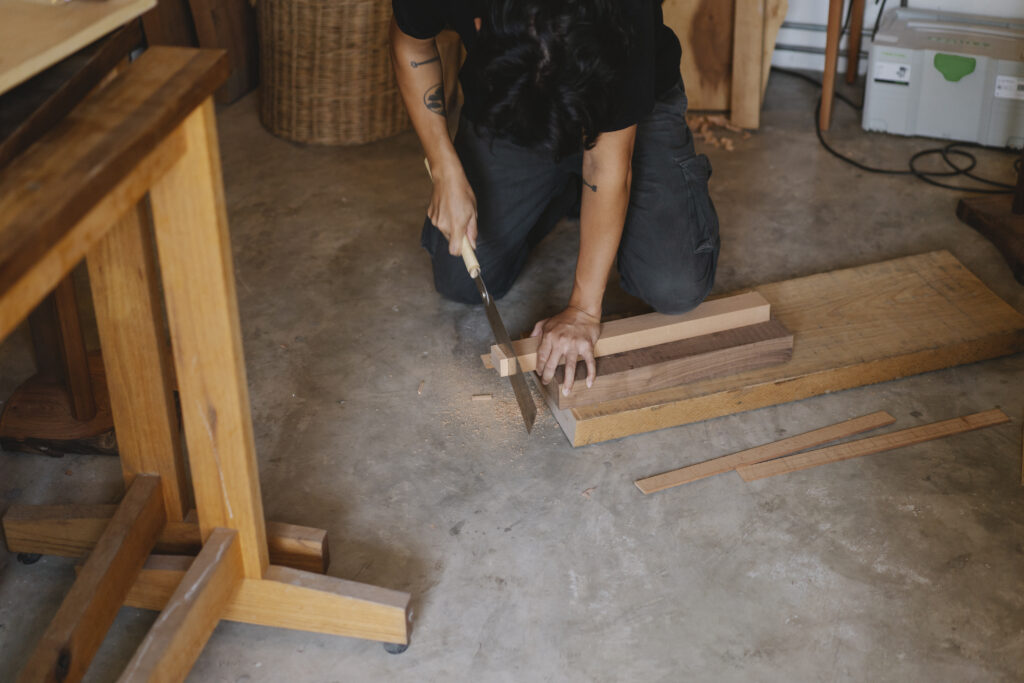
(716, 130)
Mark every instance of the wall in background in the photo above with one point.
(801, 42)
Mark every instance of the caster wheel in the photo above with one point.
(28, 558)
(395, 648)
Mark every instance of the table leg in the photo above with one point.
(828, 82)
(856, 29)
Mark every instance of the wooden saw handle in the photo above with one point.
(469, 257)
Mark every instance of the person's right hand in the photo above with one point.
(453, 209)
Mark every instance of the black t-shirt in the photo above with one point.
(653, 60)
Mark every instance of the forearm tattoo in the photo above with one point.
(433, 99)
(593, 188)
(417, 65)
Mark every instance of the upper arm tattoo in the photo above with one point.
(417, 65)
(593, 188)
(433, 99)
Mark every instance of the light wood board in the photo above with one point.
(667, 365)
(768, 451)
(37, 35)
(852, 327)
(874, 444)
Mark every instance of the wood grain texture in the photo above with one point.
(73, 637)
(993, 217)
(768, 451)
(704, 28)
(75, 356)
(38, 417)
(874, 444)
(63, 194)
(828, 82)
(99, 66)
(73, 530)
(774, 15)
(853, 327)
(37, 35)
(853, 49)
(651, 329)
(230, 25)
(185, 624)
(169, 23)
(747, 71)
(667, 365)
(126, 296)
(192, 238)
(293, 599)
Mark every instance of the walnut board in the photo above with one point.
(667, 365)
(852, 327)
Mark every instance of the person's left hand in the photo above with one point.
(567, 337)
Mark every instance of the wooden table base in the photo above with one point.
(38, 418)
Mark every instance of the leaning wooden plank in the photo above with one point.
(854, 327)
(874, 444)
(230, 25)
(125, 286)
(639, 331)
(768, 451)
(747, 53)
(73, 530)
(88, 610)
(191, 226)
(63, 194)
(686, 360)
(185, 624)
(292, 599)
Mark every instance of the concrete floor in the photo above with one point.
(531, 561)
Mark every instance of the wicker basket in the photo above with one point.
(326, 71)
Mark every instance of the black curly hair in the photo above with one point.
(546, 70)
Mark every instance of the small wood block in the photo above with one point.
(73, 530)
(174, 642)
(288, 598)
(668, 365)
(768, 451)
(651, 329)
(993, 217)
(75, 634)
(875, 444)
(855, 327)
(37, 418)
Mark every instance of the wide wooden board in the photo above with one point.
(666, 365)
(853, 327)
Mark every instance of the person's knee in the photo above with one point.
(678, 292)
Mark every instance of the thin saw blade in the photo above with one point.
(519, 388)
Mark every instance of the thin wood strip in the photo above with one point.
(73, 530)
(768, 451)
(875, 444)
(185, 624)
(651, 329)
(75, 634)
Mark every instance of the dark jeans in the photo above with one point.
(670, 243)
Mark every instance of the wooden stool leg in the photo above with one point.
(828, 82)
(856, 29)
(126, 295)
(195, 258)
(75, 634)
